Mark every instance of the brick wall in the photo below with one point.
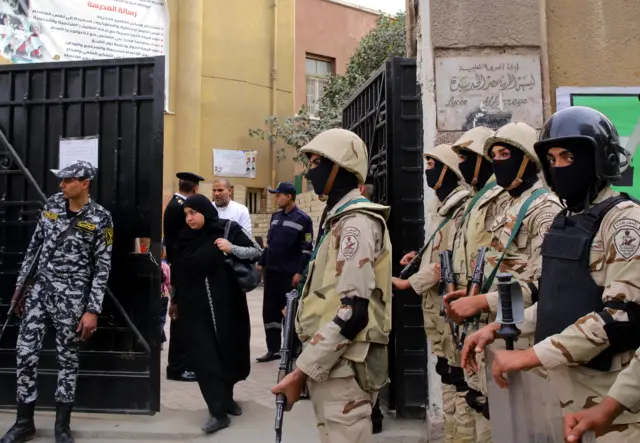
(307, 201)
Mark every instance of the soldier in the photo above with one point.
(516, 233)
(76, 236)
(344, 314)
(587, 317)
(473, 232)
(174, 221)
(623, 395)
(444, 177)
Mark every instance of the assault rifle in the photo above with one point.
(21, 291)
(447, 285)
(414, 265)
(474, 287)
(287, 355)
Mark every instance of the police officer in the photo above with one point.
(587, 317)
(472, 232)
(444, 177)
(75, 235)
(344, 313)
(174, 221)
(283, 261)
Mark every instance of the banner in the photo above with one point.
(36, 31)
(232, 163)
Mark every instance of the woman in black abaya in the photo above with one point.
(212, 307)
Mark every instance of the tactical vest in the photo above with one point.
(319, 300)
(567, 290)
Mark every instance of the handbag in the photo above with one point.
(247, 276)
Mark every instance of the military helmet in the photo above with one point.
(473, 140)
(342, 147)
(519, 135)
(586, 125)
(445, 155)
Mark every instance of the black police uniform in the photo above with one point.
(288, 252)
(174, 221)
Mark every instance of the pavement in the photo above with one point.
(183, 411)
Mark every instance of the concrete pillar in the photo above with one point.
(188, 108)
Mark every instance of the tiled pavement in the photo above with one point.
(187, 396)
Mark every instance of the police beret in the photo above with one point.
(190, 176)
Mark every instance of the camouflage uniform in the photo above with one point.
(458, 420)
(71, 283)
(626, 389)
(352, 261)
(562, 355)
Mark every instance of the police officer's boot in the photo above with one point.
(63, 419)
(24, 428)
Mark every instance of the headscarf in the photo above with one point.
(190, 239)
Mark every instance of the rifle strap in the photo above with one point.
(440, 226)
(514, 232)
(59, 241)
(477, 197)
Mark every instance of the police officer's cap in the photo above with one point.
(583, 126)
(80, 170)
(284, 188)
(190, 177)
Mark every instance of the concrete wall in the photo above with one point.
(329, 29)
(593, 43)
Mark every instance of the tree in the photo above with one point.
(385, 41)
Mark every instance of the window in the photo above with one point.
(318, 73)
(253, 201)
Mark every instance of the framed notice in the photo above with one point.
(622, 107)
(234, 163)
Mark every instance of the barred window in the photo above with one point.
(318, 73)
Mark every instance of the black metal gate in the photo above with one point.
(122, 103)
(387, 114)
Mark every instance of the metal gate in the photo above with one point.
(120, 102)
(387, 114)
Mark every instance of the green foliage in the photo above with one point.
(385, 41)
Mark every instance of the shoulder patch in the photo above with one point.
(108, 235)
(51, 215)
(626, 238)
(308, 237)
(349, 242)
(545, 221)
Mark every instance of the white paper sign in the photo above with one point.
(73, 150)
(232, 163)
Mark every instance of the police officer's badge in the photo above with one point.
(108, 235)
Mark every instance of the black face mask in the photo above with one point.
(344, 182)
(576, 184)
(449, 182)
(468, 169)
(506, 172)
(320, 175)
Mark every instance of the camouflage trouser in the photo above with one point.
(343, 410)
(449, 406)
(48, 304)
(478, 384)
(622, 434)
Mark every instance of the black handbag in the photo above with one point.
(246, 274)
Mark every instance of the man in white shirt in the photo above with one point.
(227, 208)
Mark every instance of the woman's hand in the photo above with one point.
(223, 245)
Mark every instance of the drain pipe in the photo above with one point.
(274, 92)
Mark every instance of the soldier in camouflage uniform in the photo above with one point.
(587, 316)
(76, 235)
(444, 177)
(344, 313)
(473, 232)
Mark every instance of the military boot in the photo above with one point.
(24, 428)
(63, 419)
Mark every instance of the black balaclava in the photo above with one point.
(577, 184)
(506, 172)
(469, 165)
(444, 186)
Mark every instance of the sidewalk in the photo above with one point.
(183, 411)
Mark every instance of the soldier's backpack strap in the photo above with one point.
(514, 232)
(317, 248)
(477, 197)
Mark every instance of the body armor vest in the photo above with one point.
(567, 290)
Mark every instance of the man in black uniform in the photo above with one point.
(174, 221)
(283, 260)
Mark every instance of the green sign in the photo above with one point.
(622, 107)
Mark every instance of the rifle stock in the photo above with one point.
(287, 355)
(474, 288)
(21, 290)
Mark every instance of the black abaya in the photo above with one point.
(219, 351)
